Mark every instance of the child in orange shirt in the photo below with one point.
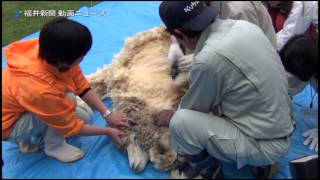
(40, 83)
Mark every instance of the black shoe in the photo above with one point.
(202, 165)
(265, 172)
(213, 172)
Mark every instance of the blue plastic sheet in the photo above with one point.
(103, 159)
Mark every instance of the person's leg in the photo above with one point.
(85, 114)
(55, 143)
(56, 146)
(28, 125)
(192, 132)
(189, 137)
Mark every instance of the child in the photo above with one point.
(300, 58)
(39, 86)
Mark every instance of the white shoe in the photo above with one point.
(55, 146)
(63, 152)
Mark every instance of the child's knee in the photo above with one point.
(85, 114)
(71, 95)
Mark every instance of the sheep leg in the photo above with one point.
(138, 158)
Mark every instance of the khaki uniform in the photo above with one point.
(237, 106)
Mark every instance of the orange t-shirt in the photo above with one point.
(29, 84)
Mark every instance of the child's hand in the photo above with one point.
(312, 139)
(117, 119)
(116, 134)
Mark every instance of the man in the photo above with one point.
(237, 108)
(38, 92)
(251, 11)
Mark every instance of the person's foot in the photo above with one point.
(63, 152)
(28, 147)
(56, 146)
(265, 172)
(209, 172)
(199, 166)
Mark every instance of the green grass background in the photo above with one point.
(16, 26)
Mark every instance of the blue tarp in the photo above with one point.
(103, 159)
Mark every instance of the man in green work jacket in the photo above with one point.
(237, 108)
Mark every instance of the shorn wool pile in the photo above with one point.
(141, 84)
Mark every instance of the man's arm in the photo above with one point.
(206, 89)
(205, 92)
(290, 26)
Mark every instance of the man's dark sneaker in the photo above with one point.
(265, 172)
(201, 165)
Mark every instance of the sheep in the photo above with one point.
(141, 81)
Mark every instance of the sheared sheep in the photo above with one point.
(140, 83)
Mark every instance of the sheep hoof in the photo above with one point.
(175, 174)
(138, 159)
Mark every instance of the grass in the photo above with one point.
(15, 25)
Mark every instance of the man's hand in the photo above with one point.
(115, 135)
(117, 119)
(163, 118)
(175, 52)
(173, 39)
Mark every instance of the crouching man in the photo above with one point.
(237, 108)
